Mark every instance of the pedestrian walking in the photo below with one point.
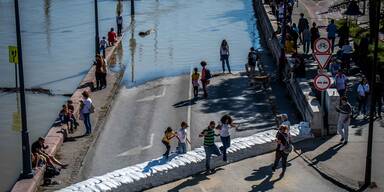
(315, 34)
(103, 45)
(295, 35)
(168, 135)
(306, 40)
(341, 82)
(362, 96)
(252, 59)
(195, 82)
(223, 126)
(209, 145)
(332, 30)
(112, 37)
(99, 72)
(205, 78)
(346, 56)
(71, 109)
(182, 135)
(283, 149)
(86, 108)
(303, 24)
(104, 72)
(119, 23)
(345, 112)
(224, 55)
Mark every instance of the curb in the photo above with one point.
(159, 171)
(54, 139)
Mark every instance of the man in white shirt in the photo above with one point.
(182, 135)
(362, 96)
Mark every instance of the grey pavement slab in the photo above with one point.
(254, 174)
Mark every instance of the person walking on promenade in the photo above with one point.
(168, 135)
(182, 135)
(195, 82)
(306, 40)
(119, 23)
(341, 82)
(224, 125)
(252, 59)
(209, 145)
(362, 96)
(345, 112)
(86, 108)
(315, 34)
(347, 51)
(303, 24)
(111, 37)
(332, 30)
(103, 45)
(103, 73)
(99, 73)
(205, 76)
(224, 55)
(282, 149)
(71, 109)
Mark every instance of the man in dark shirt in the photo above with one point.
(345, 112)
(209, 144)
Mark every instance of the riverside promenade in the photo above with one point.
(74, 149)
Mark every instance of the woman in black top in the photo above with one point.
(282, 143)
(315, 34)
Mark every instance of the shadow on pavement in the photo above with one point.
(265, 174)
(195, 180)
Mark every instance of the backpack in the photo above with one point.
(208, 74)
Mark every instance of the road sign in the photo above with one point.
(13, 55)
(322, 59)
(322, 45)
(322, 82)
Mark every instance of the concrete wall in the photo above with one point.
(299, 89)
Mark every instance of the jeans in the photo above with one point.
(224, 60)
(102, 50)
(99, 81)
(182, 148)
(119, 27)
(362, 107)
(195, 91)
(103, 80)
(204, 83)
(87, 123)
(342, 126)
(283, 156)
(209, 150)
(332, 39)
(226, 144)
(306, 44)
(168, 147)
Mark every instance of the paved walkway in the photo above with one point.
(254, 174)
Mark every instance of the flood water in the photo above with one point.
(58, 47)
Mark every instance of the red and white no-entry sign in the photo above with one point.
(322, 45)
(322, 82)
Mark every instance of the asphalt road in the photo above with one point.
(255, 174)
(139, 116)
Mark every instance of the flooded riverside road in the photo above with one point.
(182, 34)
(58, 49)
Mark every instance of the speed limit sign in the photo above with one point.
(322, 82)
(322, 45)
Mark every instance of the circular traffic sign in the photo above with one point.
(322, 45)
(322, 82)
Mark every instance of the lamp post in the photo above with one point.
(132, 7)
(368, 165)
(27, 165)
(97, 38)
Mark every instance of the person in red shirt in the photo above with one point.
(205, 76)
(111, 37)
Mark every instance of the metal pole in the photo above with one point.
(132, 7)
(97, 38)
(368, 168)
(27, 165)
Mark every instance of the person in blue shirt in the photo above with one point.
(332, 30)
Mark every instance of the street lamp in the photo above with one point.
(97, 38)
(27, 165)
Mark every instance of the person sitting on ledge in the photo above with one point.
(38, 148)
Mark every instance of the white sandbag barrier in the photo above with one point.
(159, 171)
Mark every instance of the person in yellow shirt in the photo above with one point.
(168, 135)
(195, 82)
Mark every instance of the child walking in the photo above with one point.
(168, 135)
(195, 82)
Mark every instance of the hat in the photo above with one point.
(184, 124)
